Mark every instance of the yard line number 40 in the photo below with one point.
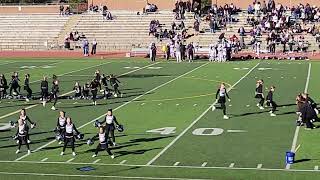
(197, 132)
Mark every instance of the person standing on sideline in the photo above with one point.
(153, 52)
(178, 52)
(85, 47)
(212, 52)
(190, 50)
(94, 47)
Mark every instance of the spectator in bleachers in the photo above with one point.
(109, 15)
(67, 42)
(61, 8)
(67, 11)
(151, 8)
(196, 27)
(104, 12)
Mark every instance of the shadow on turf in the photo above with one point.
(32, 142)
(144, 75)
(140, 151)
(285, 105)
(248, 113)
(303, 160)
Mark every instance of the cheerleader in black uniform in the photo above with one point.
(86, 90)
(68, 132)
(54, 94)
(61, 125)
(27, 86)
(14, 84)
(115, 84)
(103, 142)
(44, 90)
(221, 96)
(270, 102)
(77, 89)
(259, 93)
(22, 134)
(2, 87)
(94, 90)
(25, 119)
(5, 85)
(104, 82)
(110, 122)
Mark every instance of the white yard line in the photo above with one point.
(96, 161)
(8, 63)
(45, 159)
(163, 166)
(122, 105)
(96, 176)
(176, 163)
(296, 133)
(29, 69)
(123, 162)
(70, 160)
(196, 120)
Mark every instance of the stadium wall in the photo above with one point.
(137, 5)
(29, 9)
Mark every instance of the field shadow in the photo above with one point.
(284, 105)
(302, 160)
(135, 152)
(143, 75)
(248, 114)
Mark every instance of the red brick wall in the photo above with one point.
(137, 5)
(169, 4)
(29, 9)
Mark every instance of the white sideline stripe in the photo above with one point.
(97, 176)
(97, 65)
(32, 106)
(45, 159)
(259, 166)
(28, 69)
(96, 161)
(204, 164)
(122, 105)
(162, 166)
(316, 168)
(196, 120)
(123, 162)
(45, 145)
(235, 131)
(231, 165)
(296, 133)
(176, 163)
(70, 160)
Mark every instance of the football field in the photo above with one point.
(171, 131)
